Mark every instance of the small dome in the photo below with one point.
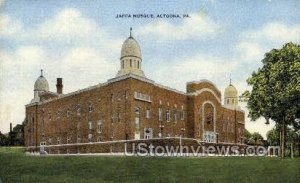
(41, 84)
(131, 48)
(230, 91)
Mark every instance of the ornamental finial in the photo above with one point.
(130, 35)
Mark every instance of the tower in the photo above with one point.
(231, 96)
(131, 57)
(41, 85)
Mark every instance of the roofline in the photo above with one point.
(203, 81)
(116, 79)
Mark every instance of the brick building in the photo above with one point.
(131, 106)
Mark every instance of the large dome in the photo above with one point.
(230, 91)
(41, 84)
(131, 48)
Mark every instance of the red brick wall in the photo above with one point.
(114, 105)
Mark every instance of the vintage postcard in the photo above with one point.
(149, 91)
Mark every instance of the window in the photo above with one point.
(68, 140)
(168, 115)
(99, 127)
(99, 139)
(50, 141)
(49, 114)
(58, 114)
(122, 64)
(91, 108)
(141, 96)
(111, 97)
(90, 125)
(227, 101)
(78, 111)
(78, 139)
(138, 64)
(90, 136)
(58, 140)
(126, 94)
(119, 117)
(148, 113)
(175, 116)
(68, 112)
(130, 62)
(182, 115)
(160, 114)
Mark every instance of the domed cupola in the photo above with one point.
(41, 85)
(131, 57)
(230, 96)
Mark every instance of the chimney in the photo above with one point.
(10, 129)
(59, 86)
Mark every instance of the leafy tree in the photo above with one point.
(273, 137)
(275, 91)
(253, 138)
(257, 138)
(3, 140)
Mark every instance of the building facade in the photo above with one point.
(131, 106)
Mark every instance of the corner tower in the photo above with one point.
(41, 85)
(131, 57)
(231, 96)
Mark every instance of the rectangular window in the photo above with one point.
(181, 115)
(68, 113)
(78, 139)
(68, 140)
(91, 108)
(90, 136)
(78, 111)
(175, 116)
(148, 113)
(168, 115)
(99, 127)
(111, 97)
(90, 125)
(141, 96)
(160, 118)
(58, 140)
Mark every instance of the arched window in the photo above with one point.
(138, 64)
(122, 64)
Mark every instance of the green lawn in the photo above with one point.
(17, 167)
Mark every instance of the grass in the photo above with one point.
(15, 166)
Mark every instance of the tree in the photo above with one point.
(3, 140)
(273, 137)
(253, 138)
(257, 138)
(275, 91)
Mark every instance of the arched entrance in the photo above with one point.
(208, 113)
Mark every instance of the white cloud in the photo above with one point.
(254, 43)
(68, 25)
(198, 26)
(9, 26)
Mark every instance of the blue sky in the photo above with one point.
(81, 41)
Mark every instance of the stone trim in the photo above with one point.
(203, 81)
(196, 93)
